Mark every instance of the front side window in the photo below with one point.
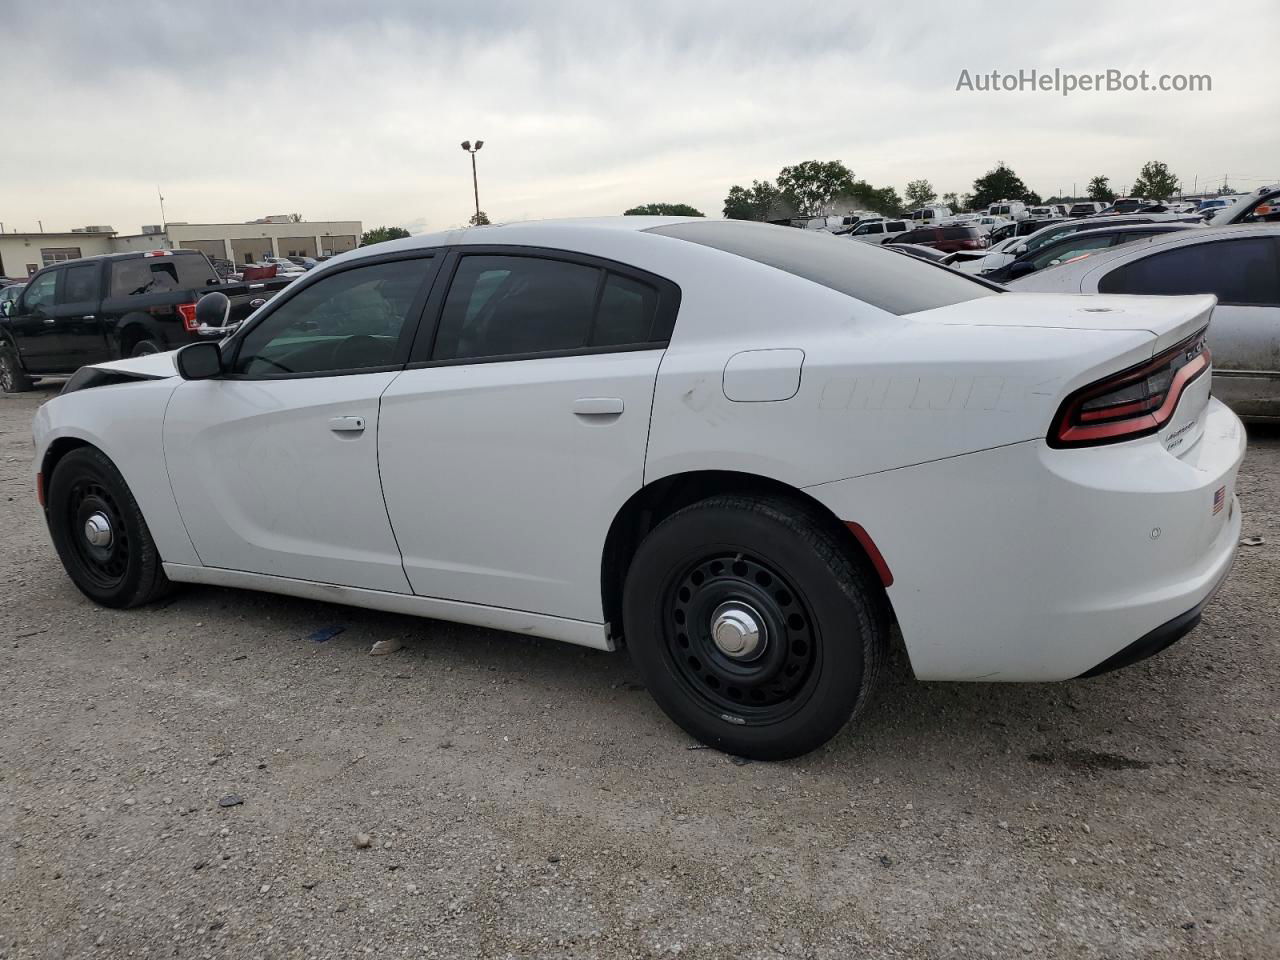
(40, 290)
(81, 284)
(352, 320)
(1237, 271)
(510, 306)
(1070, 249)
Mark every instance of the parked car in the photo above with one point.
(929, 215)
(1239, 264)
(1127, 205)
(306, 263)
(1008, 209)
(946, 239)
(1076, 245)
(1049, 210)
(1020, 228)
(283, 265)
(1260, 206)
(1086, 208)
(1055, 230)
(880, 231)
(9, 294)
(118, 305)
(599, 432)
(977, 261)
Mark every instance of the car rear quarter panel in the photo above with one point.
(124, 421)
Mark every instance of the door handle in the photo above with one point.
(48, 319)
(347, 424)
(598, 406)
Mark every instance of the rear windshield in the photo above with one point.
(142, 275)
(881, 278)
(959, 233)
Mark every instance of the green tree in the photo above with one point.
(663, 210)
(952, 201)
(480, 219)
(1000, 184)
(295, 218)
(1100, 189)
(1155, 181)
(919, 192)
(382, 234)
(812, 185)
(880, 199)
(760, 201)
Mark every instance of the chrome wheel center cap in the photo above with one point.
(738, 631)
(97, 530)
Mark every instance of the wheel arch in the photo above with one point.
(651, 504)
(54, 454)
(135, 327)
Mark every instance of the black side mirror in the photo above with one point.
(1021, 269)
(199, 361)
(213, 310)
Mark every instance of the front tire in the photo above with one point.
(752, 626)
(100, 534)
(13, 379)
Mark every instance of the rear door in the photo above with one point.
(519, 428)
(79, 334)
(1244, 336)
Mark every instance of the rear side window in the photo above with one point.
(958, 233)
(143, 275)
(514, 306)
(1238, 271)
(80, 283)
(881, 278)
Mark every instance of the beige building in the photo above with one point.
(21, 254)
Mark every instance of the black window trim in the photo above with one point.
(1275, 255)
(412, 321)
(663, 323)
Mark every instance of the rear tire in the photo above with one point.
(145, 348)
(119, 565)
(737, 563)
(13, 379)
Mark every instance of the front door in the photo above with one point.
(513, 439)
(275, 464)
(33, 323)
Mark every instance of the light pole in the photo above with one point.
(475, 184)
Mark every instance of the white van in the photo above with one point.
(1009, 209)
(930, 215)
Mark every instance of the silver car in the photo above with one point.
(1239, 264)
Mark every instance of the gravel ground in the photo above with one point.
(524, 798)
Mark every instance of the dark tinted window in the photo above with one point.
(958, 233)
(1241, 270)
(80, 283)
(142, 275)
(1070, 248)
(39, 292)
(917, 236)
(881, 278)
(503, 306)
(349, 320)
(627, 309)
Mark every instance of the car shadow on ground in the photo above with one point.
(1109, 718)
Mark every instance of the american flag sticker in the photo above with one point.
(1219, 499)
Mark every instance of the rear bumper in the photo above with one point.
(1029, 563)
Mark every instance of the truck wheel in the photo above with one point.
(100, 533)
(752, 626)
(145, 347)
(13, 379)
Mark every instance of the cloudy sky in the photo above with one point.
(351, 110)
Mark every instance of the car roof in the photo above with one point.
(1166, 238)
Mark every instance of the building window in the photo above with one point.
(52, 255)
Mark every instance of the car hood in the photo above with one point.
(153, 366)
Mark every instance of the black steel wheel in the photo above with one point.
(99, 531)
(740, 636)
(754, 626)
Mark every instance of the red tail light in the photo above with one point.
(1132, 403)
(188, 313)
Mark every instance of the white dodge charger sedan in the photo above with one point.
(740, 451)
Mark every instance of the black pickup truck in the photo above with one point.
(117, 305)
